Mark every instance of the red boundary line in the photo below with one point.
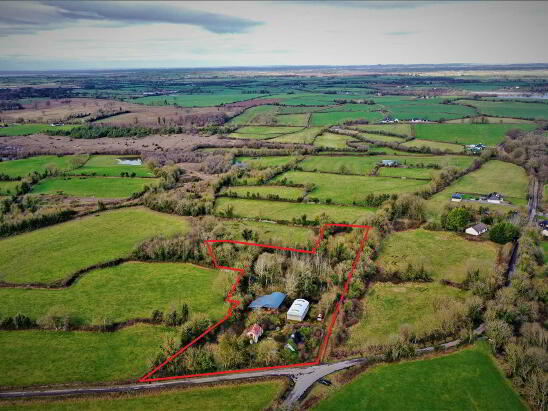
(235, 303)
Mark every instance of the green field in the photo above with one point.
(109, 166)
(284, 211)
(382, 138)
(124, 292)
(488, 134)
(195, 100)
(537, 111)
(466, 380)
(286, 193)
(97, 187)
(444, 255)
(389, 306)
(272, 233)
(305, 136)
(254, 396)
(364, 164)
(344, 189)
(407, 108)
(53, 357)
(401, 129)
(8, 187)
(21, 168)
(292, 120)
(256, 115)
(339, 117)
(330, 140)
(490, 120)
(60, 250)
(260, 132)
(434, 145)
(26, 129)
(264, 162)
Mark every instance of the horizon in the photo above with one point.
(43, 36)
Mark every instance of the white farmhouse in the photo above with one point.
(298, 310)
(477, 229)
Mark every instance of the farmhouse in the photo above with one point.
(456, 197)
(390, 163)
(254, 333)
(298, 310)
(495, 198)
(271, 301)
(477, 229)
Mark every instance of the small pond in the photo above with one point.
(129, 161)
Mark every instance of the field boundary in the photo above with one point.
(234, 303)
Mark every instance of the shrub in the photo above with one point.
(498, 333)
(457, 219)
(57, 318)
(503, 233)
(22, 322)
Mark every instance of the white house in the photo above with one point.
(495, 198)
(298, 310)
(477, 229)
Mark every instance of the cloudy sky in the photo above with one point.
(49, 35)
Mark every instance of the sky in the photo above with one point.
(57, 35)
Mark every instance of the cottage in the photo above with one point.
(495, 198)
(271, 301)
(298, 310)
(456, 197)
(477, 229)
(390, 163)
(254, 333)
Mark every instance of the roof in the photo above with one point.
(456, 195)
(256, 329)
(389, 161)
(479, 227)
(273, 301)
(298, 307)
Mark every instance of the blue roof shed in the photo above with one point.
(272, 301)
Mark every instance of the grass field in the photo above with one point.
(130, 290)
(364, 164)
(265, 161)
(260, 132)
(21, 168)
(330, 140)
(284, 211)
(537, 111)
(390, 306)
(488, 134)
(60, 250)
(256, 115)
(8, 187)
(98, 187)
(195, 100)
(434, 145)
(251, 396)
(401, 129)
(465, 380)
(339, 117)
(382, 138)
(406, 108)
(109, 166)
(445, 255)
(52, 357)
(278, 234)
(287, 193)
(344, 189)
(292, 119)
(26, 129)
(305, 136)
(490, 120)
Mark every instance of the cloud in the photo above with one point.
(22, 18)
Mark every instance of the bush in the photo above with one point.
(57, 318)
(498, 333)
(22, 322)
(503, 233)
(457, 219)
(398, 348)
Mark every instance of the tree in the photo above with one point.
(267, 353)
(498, 333)
(457, 219)
(503, 232)
(231, 352)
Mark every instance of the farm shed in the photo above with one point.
(456, 197)
(298, 310)
(390, 163)
(495, 198)
(271, 301)
(477, 229)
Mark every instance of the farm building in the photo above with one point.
(254, 333)
(495, 198)
(456, 197)
(390, 163)
(477, 229)
(298, 310)
(271, 301)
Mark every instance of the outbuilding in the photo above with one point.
(254, 333)
(270, 301)
(298, 310)
(477, 229)
(456, 197)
